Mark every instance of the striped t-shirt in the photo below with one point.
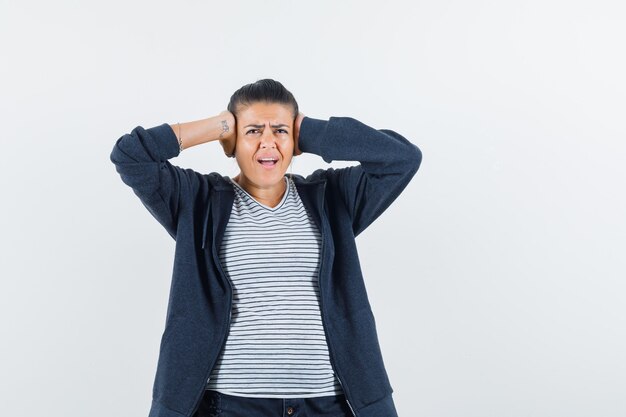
(276, 346)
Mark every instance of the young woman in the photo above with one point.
(268, 314)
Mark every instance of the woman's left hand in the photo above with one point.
(296, 133)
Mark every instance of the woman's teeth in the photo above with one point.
(267, 161)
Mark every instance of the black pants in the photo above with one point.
(217, 404)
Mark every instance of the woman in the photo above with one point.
(268, 314)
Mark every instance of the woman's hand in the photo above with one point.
(228, 132)
(296, 133)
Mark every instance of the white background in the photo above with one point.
(497, 278)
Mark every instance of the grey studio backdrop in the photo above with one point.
(497, 278)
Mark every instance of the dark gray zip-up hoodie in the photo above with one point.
(194, 209)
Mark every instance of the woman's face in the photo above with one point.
(264, 131)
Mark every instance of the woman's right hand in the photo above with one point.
(228, 132)
(296, 133)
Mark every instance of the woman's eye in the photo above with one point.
(256, 130)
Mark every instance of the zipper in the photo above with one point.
(351, 409)
(319, 283)
(230, 315)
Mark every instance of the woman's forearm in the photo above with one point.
(204, 130)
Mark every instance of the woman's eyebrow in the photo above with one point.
(260, 126)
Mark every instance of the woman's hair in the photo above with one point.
(265, 90)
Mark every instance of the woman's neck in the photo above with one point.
(269, 196)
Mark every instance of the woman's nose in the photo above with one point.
(267, 138)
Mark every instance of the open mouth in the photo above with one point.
(268, 162)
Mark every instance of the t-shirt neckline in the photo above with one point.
(279, 205)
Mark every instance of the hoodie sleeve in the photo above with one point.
(141, 159)
(388, 162)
